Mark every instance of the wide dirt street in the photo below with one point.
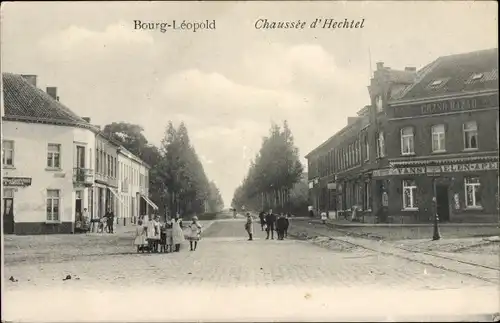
(228, 278)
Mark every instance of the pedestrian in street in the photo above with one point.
(234, 213)
(102, 225)
(177, 234)
(140, 237)
(85, 220)
(249, 226)
(110, 219)
(262, 217)
(168, 232)
(195, 234)
(153, 233)
(323, 217)
(280, 226)
(270, 224)
(163, 237)
(287, 224)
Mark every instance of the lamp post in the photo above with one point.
(436, 236)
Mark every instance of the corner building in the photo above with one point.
(431, 133)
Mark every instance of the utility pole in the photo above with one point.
(436, 236)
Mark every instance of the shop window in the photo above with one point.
(407, 141)
(54, 156)
(367, 205)
(438, 138)
(8, 153)
(380, 145)
(53, 205)
(409, 195)
(367, 148)
(470, 135)
(472, 193)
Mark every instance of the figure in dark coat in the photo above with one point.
(287, 224)
(280, 226)
(110, 220)
(270, 224)
(262, 217)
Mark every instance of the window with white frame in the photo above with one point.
(367, 148)
(8, 153)
(380, 145)
(53, 205)
(470, 135)
(409, 195)
(438, 138)
(472, 194)
(407, 141)
(54, 156)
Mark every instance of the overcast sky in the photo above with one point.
(229, 84)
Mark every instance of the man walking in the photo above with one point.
(280, 226)
(270, 224)
(262, 217)
(110, 219)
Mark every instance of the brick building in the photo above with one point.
(431, 133)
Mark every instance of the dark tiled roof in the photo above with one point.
(454, 74)
(22, 100)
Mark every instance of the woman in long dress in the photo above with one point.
(177, 234)
(195, 234)
(140, 237)
(249, 226)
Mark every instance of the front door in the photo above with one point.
(442, 203)
(78, 205)
(8, 215)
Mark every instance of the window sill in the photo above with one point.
(8, 167)
(53, 169)
(412, 209)
(439, 152)
(53, 222)
(408, 154)
(473, 208)
(470, 149)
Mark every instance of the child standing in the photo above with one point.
(195, 233)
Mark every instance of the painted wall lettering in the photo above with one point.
(454, 168)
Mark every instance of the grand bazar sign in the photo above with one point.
(422, 170)
(452, 105)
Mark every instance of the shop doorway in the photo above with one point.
(78, 205)
(8, 212)
(442, 203)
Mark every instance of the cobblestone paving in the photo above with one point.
(224, 258)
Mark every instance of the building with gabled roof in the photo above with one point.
(56, 165)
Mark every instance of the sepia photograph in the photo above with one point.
(250, 161)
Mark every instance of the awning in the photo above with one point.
(115, 193)
(149, 202)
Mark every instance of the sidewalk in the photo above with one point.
(451, 261)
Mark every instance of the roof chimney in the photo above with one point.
(31, 79)
(410, 69)
(52, 91)
(380, 66)
(86, 119)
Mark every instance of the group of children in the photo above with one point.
(154, 236)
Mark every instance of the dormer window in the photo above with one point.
(477, 76)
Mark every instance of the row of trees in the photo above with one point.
(178, 183)
(275, 177)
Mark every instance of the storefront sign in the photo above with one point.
(16, 181)
(456, 168)
(452, 105)
(332, 186)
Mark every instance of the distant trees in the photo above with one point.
(272, 174)
(178, 183)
